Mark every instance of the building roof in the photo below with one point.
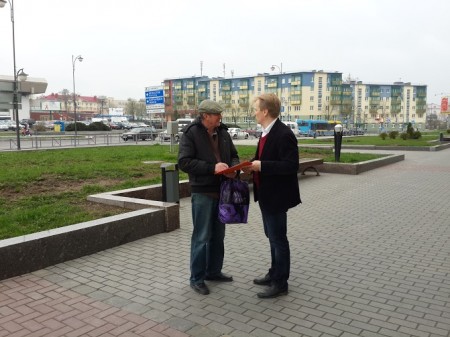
(33, 85)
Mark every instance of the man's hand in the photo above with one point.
(256, 166)
(220, 167)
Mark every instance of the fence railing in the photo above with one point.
(43, 141)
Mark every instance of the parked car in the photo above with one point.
(140, 134)
(294, 127)
(165, 137)
(237, 133)
(4, 127)
(254, 132)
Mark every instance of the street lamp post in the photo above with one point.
(337, 142)
(280, 69)
(18, 75)
(74, 60)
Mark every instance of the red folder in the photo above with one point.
(235, 167)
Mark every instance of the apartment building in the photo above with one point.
(388, 106)
(314, 94)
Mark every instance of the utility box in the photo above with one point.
(59, 126)
(172, 128)
(170, 182)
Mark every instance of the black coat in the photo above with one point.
(196, 156)
(278, 189)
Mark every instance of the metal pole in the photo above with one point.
(74, 98)
(16, 86)
(79, 58)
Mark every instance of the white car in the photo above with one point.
(237, 133)
(4, 127)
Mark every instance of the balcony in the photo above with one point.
(272, 85)
(226, 87)
(296, 101)
(336, 91)
(201, 89)
(226, 96)
(244, 102)
(243, 87)
(226, 103)
(243, 95)
(336, 82)
(296, 83)
(177, 86)
(190, 86)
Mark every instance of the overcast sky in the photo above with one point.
(128, 45)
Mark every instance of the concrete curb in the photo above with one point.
(358, 168)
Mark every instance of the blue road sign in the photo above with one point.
(154, 98)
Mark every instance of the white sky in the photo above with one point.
(128, 45)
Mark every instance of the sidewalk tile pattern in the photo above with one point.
(370, 257)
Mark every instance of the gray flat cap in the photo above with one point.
(210, 107)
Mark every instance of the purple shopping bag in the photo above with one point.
(234, 201)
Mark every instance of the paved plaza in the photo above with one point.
(370, 257)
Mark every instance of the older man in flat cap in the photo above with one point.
(205, 149)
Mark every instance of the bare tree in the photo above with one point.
(66, 97)
(131, 108)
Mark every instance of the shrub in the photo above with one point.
(98, 126)
(416, 134)
(80, 127)
(448, 130)
(39, 128)
(383, 135)
(404, 136)
(393, 134)
(410, 130)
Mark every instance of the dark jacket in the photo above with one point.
(278, 189)
(196, 156)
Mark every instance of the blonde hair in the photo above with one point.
(271, 102)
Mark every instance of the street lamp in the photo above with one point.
(280, 68)
(18, 75)
(74, 59)
(337, 142)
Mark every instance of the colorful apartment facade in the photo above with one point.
(304, 95)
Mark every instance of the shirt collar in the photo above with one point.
(265, 131)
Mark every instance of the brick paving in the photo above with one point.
(370, 257)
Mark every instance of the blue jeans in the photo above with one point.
(275, 228)
(207, 248)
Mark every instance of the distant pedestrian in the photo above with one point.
(276, 189)
(205, 149)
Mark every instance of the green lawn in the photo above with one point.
(46, 189)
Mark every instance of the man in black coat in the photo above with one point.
(206, 148)
(276, 188)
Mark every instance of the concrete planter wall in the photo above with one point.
(357, 168)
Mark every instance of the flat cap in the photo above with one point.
(210, 107)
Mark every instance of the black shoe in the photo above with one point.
(220, 278)
(200, 288)
(273, 291)
(264, 281)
